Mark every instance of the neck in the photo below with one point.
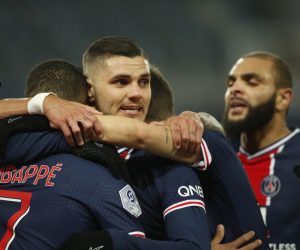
(273, 131)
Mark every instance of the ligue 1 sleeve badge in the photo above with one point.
(270, 186)
(129, 201)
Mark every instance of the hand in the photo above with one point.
(187, 133)
(237, 244)
(78, 122)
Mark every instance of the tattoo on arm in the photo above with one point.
(167, 135)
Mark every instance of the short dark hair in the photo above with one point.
(282, 73)
(60, 77)
(162, 97)
(110, 46)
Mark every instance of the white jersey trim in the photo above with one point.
(207, 158)
(271, 147)
(137, 234)
(120, 150)
(184, 204)
(128, 155)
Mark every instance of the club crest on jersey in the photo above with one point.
(270, 186)
(129, 201)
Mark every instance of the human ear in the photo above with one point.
(283, 98)
(91, 90)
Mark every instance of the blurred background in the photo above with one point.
(194, 42)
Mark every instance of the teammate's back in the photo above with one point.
(45, 201)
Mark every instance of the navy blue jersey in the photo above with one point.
(171, 198)
(228, 195)
(174, 200)
(277, 188)
(44, 201)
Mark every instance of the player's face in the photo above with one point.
(250, 85)
(121, 86)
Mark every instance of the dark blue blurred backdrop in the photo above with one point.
(194, 42)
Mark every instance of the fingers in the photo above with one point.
(220, 231)
(85, 128)
(240, 243)
(78, 122)
(92, 111)
(97, 129)
(176, 134)
(253, 245)
(67, 134)
(77, 131)
(243, 239)
(186, 133)
(195, 133)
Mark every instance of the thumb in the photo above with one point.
(220, 231)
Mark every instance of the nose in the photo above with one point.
(236, 87)
(135, 92)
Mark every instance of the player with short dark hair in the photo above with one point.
(52, 196)
(161, 107)
(50, 74)
(105, 47)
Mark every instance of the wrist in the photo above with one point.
(35, 104)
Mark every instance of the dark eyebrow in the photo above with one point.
(120, 76)
(251, 75)
(124, 76)
(145, 75)
(231, 78)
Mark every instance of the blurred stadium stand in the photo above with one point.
(194, 42)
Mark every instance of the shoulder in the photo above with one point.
(218, 143)
(80, 170)
(35, 136)
(175, 174)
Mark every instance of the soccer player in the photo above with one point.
(49, 198)
(226, 188)
(258, 96)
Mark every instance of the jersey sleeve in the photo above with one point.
(183, 205)
(206, 160)
(229, 197)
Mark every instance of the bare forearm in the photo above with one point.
(132, 133)
(16, 106)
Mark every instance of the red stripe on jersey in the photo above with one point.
(24, 199)
(137, 234)
(125, 153)
(184, 204)
(206, 154)
(257, 168)
(207, 158)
